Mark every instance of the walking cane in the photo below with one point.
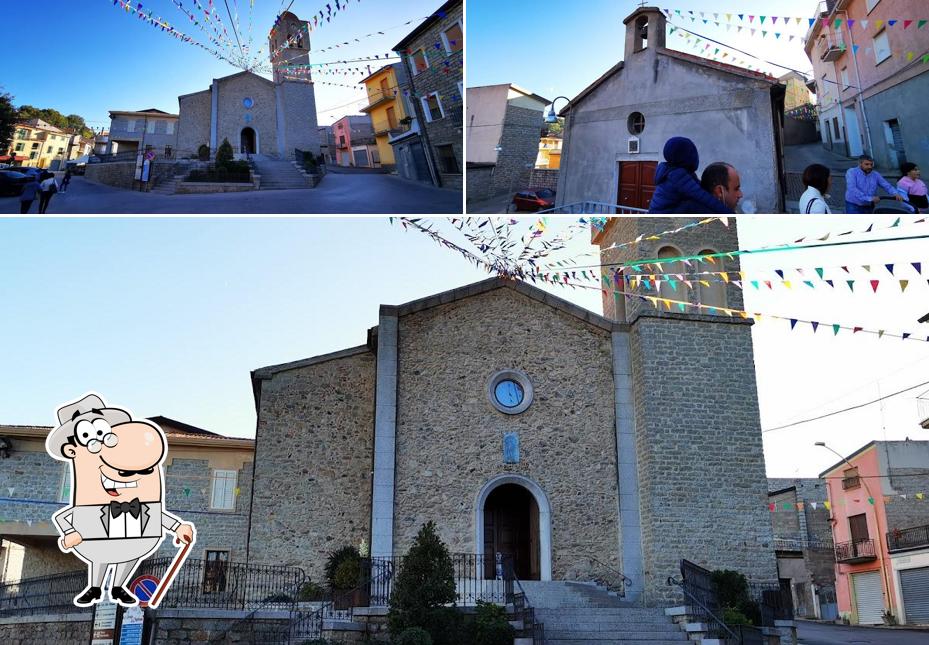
(165, 584)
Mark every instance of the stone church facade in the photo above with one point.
(257, 115)
(523, 424)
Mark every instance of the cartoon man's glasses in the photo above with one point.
(95, 434)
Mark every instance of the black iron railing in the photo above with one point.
(774, 601)
(610, 578)
(749, 635)
(912, 538)
(228, 585)
(310, 162)
(855, 551)
(41, 595)
(700, 592)
(851, 482)
(524, 612)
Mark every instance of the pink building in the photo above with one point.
(355, 144)
(879, 500)
(872, 80)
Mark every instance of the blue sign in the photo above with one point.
(510, 448)
(130, 633)
(144, 587)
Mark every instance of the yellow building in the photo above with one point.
(40, 143)
(549, 153)
(385, 107)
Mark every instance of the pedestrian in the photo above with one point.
(722, 181)
(914, 187)
(817, 179)
(862, 183)
(66, 180)
(30, 190)
(48, 188)
(677, 188)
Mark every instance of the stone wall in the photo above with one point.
(31, 483)
(66, 629)
(450, 437)
(702, 486)
(231, 119)
(519, 147)
(120, 174)
(314, 448)
(480, 182)
(193, 129)
(299, 109)
(910, 512)
(188, 489)
(181, 627)
(544, 178)
(46, 559)
(784, 522)
(714, 236)
(444, 75)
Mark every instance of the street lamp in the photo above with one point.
(880, 541)
(552, 115)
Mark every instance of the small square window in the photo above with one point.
(453, 39)
(223, 495)
(432, 106)
(882, 47)
(420, 62)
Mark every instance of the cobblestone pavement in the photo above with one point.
(337, 194)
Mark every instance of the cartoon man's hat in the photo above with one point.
(90, 407)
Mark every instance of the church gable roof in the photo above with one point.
(492, 284)
(723, 68)
(227, 78)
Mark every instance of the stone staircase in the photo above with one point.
(584, 614)
(168, 186)
(279, 174)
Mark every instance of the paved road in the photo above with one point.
(810, 633)
(337, 194)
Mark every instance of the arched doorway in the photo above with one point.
(249, 141)
(513, 518)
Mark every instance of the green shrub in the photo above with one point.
(311, 591)
(425, 583)
(413, 636)
(732, 616)
(347, 575)
(203, 153)
(492, 626)
(225, 154)
(733, 594)
(335, 559)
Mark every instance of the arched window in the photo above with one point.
(713, 295)
(672, 287)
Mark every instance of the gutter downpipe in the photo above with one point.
(858, 97)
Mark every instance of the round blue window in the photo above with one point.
(509, 393)
(248, 103)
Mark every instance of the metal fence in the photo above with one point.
(774, 601)
(855, 550)
(593, 208)
(42, 595)
(912, 538)
(697, 584)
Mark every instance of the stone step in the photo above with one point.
(607, 626)
(595, 637)
(607, 613)
(613, 641)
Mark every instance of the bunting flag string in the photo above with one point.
(318, 20)
(734, 18)
(358, 39)
(213, 37)
(776, 507)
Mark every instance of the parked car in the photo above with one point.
(534, 200)
(26, 170)
(11, 183)
(76, 168)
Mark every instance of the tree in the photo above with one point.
(73, 122)
(555, 129)
(8, 118)
(225, 154)
(425, 583)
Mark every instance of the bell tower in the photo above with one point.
(645, 30)
(289, 44)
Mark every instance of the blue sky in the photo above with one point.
(92, 57)
(169, 316)
(559, 49)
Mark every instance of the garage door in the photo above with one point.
(868, 597)
(915, 586)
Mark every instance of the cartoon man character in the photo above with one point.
(116, 515)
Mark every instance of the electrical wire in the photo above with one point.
(843, 410)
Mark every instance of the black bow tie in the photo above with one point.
(118, 508)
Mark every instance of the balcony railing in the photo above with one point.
(833, 48)
(851, 482)
(906, 539)
(855, 552)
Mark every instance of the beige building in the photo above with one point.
(40, 143)
(207, 481)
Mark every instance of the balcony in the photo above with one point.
(855, 552)
(378, 97)
(907, 539)
(392, 129)
(833, 49)
(851, 482)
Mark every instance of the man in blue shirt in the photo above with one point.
(861, 187)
